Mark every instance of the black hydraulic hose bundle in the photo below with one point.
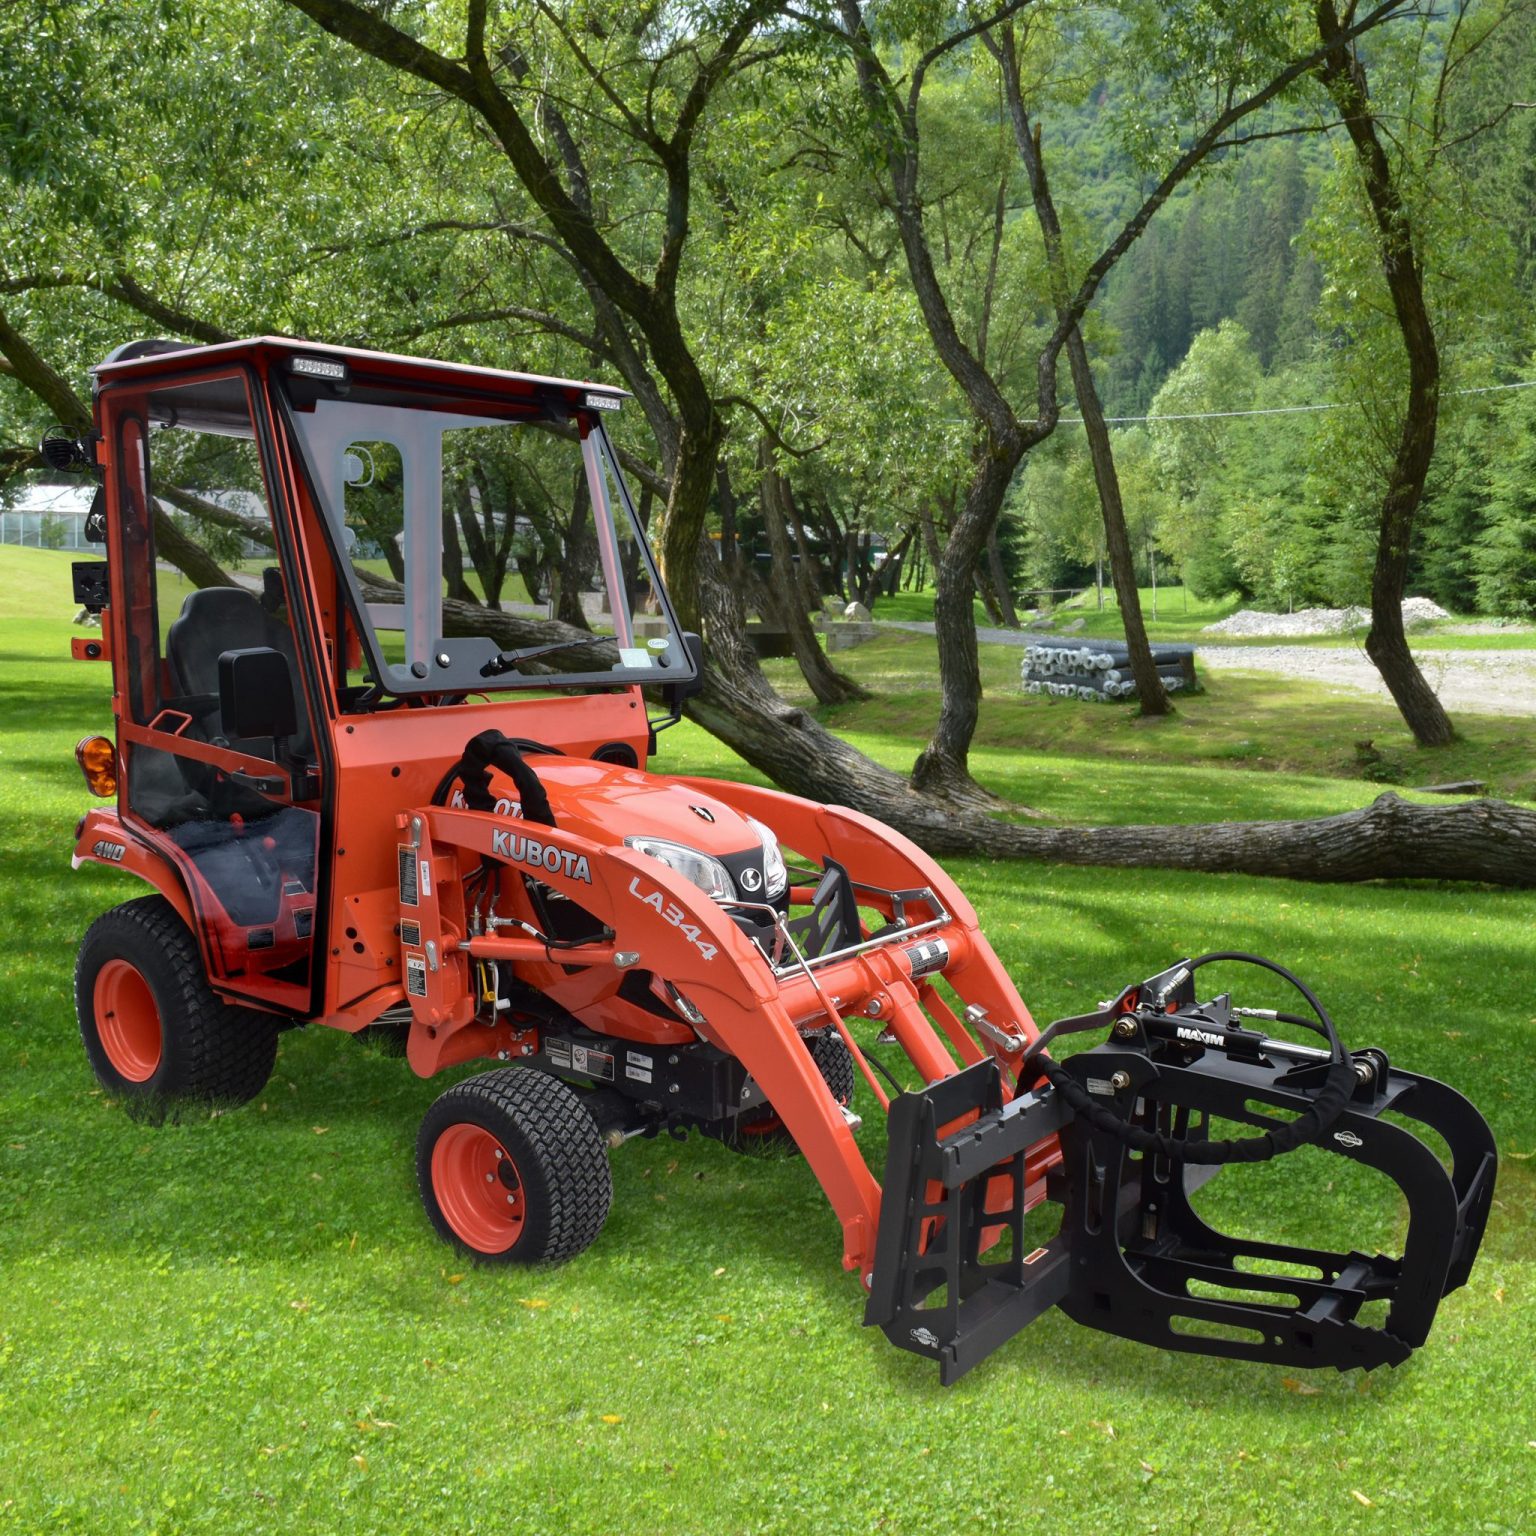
(1338, 1087)
(491, 749)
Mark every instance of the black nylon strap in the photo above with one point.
(491, 749)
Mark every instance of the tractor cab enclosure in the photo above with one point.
(400, 536)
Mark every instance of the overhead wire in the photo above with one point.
(1280, 410)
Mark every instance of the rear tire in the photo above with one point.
(156, 1034)
(512, 1169)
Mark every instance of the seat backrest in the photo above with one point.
(218, 619)
(212, 620)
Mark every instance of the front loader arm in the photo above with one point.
(885, 858)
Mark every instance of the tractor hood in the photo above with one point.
(608, 803)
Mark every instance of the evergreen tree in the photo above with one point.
(1505, 555)
(1282, 208)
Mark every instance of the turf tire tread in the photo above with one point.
(215, 1053)
(570, 1171)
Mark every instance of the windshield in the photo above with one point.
(476, 531)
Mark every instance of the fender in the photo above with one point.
(102, 838)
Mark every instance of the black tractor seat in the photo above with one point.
(218, 619)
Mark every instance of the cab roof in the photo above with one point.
(143, 360)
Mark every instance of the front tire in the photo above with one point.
(762, 1130)
(156, 1034)
(512, 1168)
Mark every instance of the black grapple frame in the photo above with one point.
(954, 1276)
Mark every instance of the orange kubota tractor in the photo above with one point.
(366, 801)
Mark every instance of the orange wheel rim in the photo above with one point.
(478, 1188)
(127, 1021)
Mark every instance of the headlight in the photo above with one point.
(710, 875)
(775, 876)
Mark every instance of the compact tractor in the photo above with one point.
(399, 787)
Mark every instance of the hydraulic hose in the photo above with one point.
(1338, 1087)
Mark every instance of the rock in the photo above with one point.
(858, 612)
(843, 637)
(1417, 612)
(1073, 627)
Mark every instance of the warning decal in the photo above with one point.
(416, 975)
(410, 895)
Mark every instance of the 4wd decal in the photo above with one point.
(529, 850)
(675, 915)
(111, 852)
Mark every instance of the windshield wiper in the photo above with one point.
(504, 661)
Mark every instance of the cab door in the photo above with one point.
(238, 815)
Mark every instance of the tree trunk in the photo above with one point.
(569, 580)
(828, 684)
(1391, 839)
(895, 563)
(1386, 644)
(983, 580)
(678, 548)
(1000, 587)
(943, 768)
(187, 555)
(457, 500)
(930, 536)
(1150, 693)
(727, 496)
(812, 577)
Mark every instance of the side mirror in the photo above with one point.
(256, 693)
(675, 695)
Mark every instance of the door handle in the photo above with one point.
(261, 783)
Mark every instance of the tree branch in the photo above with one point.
(770, 429)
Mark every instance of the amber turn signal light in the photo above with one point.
(98, 762)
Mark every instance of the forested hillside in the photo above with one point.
(1239, 298)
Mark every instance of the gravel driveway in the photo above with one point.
(1474, 682)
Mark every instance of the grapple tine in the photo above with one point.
(1138, 1270)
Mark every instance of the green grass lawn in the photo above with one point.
(245, 1324)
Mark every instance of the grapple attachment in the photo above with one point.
(954, 1276)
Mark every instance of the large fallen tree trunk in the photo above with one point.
(1485, 840)
(1390, 839)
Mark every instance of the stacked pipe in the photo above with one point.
(1098, 670)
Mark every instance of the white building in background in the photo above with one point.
(47, 516)
(53, 516)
